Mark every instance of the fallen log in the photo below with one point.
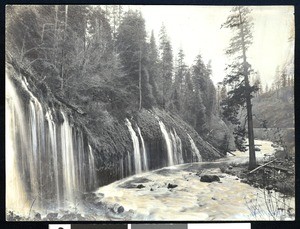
(217, 151)
(231, 153)
(277, 168)
(257, 168)
(72, 107)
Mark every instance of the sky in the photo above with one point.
(197, 30)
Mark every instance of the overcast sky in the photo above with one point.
(197, 29)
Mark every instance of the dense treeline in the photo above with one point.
(101, 60)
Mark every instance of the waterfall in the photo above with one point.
(48, 164)
(174, 147)
(168, 142)
(15, 134)
(92, 169)
(68, 163)
(136, 147)
(144, 153)
(53, 142)
(195, 150)
(179, 148)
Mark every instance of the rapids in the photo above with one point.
(229, 199)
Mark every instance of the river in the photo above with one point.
(229, 199)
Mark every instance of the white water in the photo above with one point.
(129, 163)
(191, 199)
(195, 150)
(92, 169)
(168, 142)
(179, 148)
(136, 147)
(15, 193)
(174, 147)
(52, 133)
(69, 176)
(144, 153)
(46, 162)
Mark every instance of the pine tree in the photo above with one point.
(257, 84)
(177, 89)
(267, 88)
(223, 92)
(204, 84)
(283, 78)
(166, 65)
(153, 65)
(239, 22)
(200, 86)
(132, 46)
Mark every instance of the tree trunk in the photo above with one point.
(55, 35)
(252, 157)
(140, 77)
(163, 85)
(62, 52)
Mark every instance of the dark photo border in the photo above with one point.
(254, 224)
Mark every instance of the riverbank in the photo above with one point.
(277, 174)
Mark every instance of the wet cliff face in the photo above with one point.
(54, 154)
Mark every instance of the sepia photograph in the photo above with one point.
(149, 113)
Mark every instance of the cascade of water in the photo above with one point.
(79, 158)
(32, 152)
(195, 150)
(168, 142)
(144, 152)
(174, 147)
(92, 169)
(69, 176)
(37, 153)
(15, 135)
(179, 148)
(136, 148)
(53, 142)
(41, 150)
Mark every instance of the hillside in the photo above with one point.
(277, 107)
(87, 106)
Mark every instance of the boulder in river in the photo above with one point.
(269, 187)
(209, 178)
(90, 197)
(68, 217)
(52, 216)
(140, 186)
(37, 216)
(116, 208)
(172, 185)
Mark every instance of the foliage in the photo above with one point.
(99, 60)
(165, 66)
